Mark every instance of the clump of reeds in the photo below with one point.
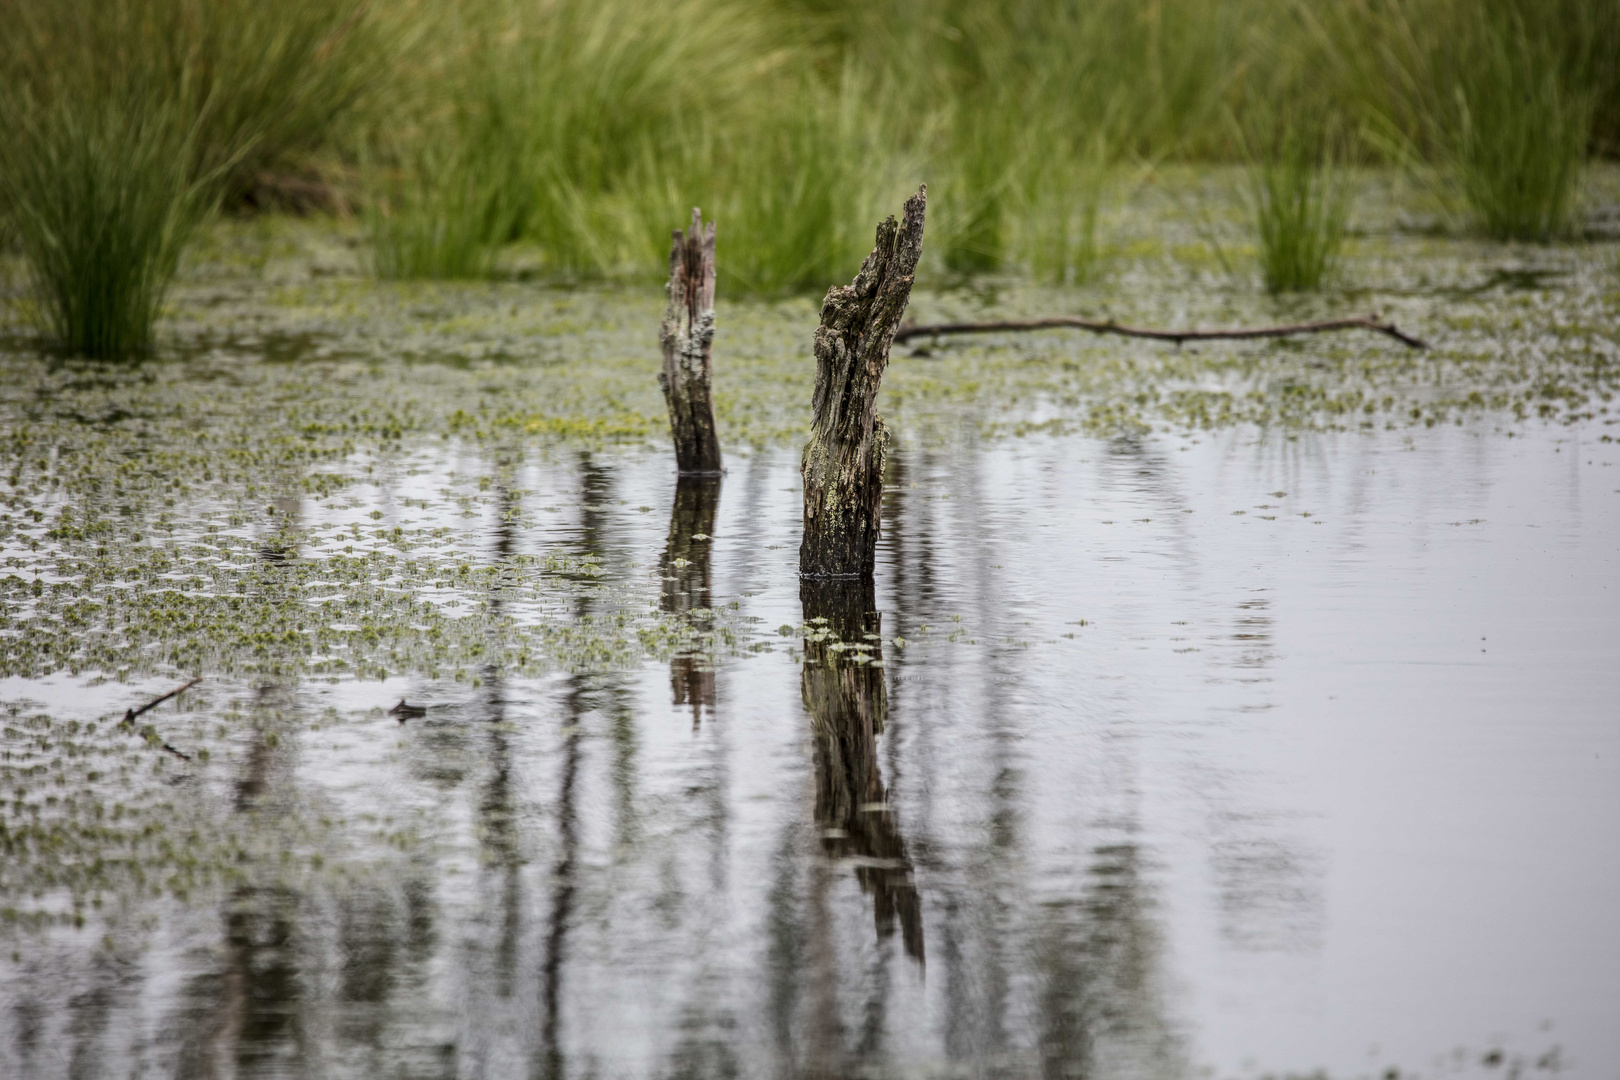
(1491, 102)
(565, 124)
(1058, 218)
(581, 130)
(125, 120)
(802, 194)
(103, 203)
(441, 208)
(976, 193)
(1300, 202)
(1517, 133)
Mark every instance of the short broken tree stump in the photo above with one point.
(687, 339)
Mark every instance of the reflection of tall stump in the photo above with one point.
(844, 690)
(686, 592)
(843, 461)
(687, 337)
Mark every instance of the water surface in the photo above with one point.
(1232, 711)
(1225, 754)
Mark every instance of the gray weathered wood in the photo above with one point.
(843, 461)
(687, 338)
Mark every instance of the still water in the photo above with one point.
(1225, 755)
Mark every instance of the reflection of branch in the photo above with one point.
(1369, 322)
(131, 714)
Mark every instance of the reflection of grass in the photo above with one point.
(1300, 205)
(379, 371)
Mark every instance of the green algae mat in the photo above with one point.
(325, 495)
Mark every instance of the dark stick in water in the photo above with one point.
(1369, 322)
(131, 714)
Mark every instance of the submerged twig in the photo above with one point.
(1369, 322)
(131, 714)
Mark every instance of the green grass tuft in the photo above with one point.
(125, 122)
(1518, 134)
(102, 205)
(573, 134)
(1058, 235)
(436, 216)
(801, 198)
(1300, 204)
(1494, 104)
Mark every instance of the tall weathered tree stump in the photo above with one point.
(687, 337)
(843, 461)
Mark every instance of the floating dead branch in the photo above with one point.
(1370, 322)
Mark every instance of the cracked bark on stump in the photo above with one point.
(687, 338)
(843, 461)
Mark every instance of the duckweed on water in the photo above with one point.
(133, 524)
(91, 815)
(314, 478)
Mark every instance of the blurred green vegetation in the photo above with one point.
(1299, 198)
(568, 136)
(126, 122)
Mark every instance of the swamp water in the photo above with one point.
(1221, 712)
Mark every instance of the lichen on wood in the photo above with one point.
(687, 338)
(843, 461)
